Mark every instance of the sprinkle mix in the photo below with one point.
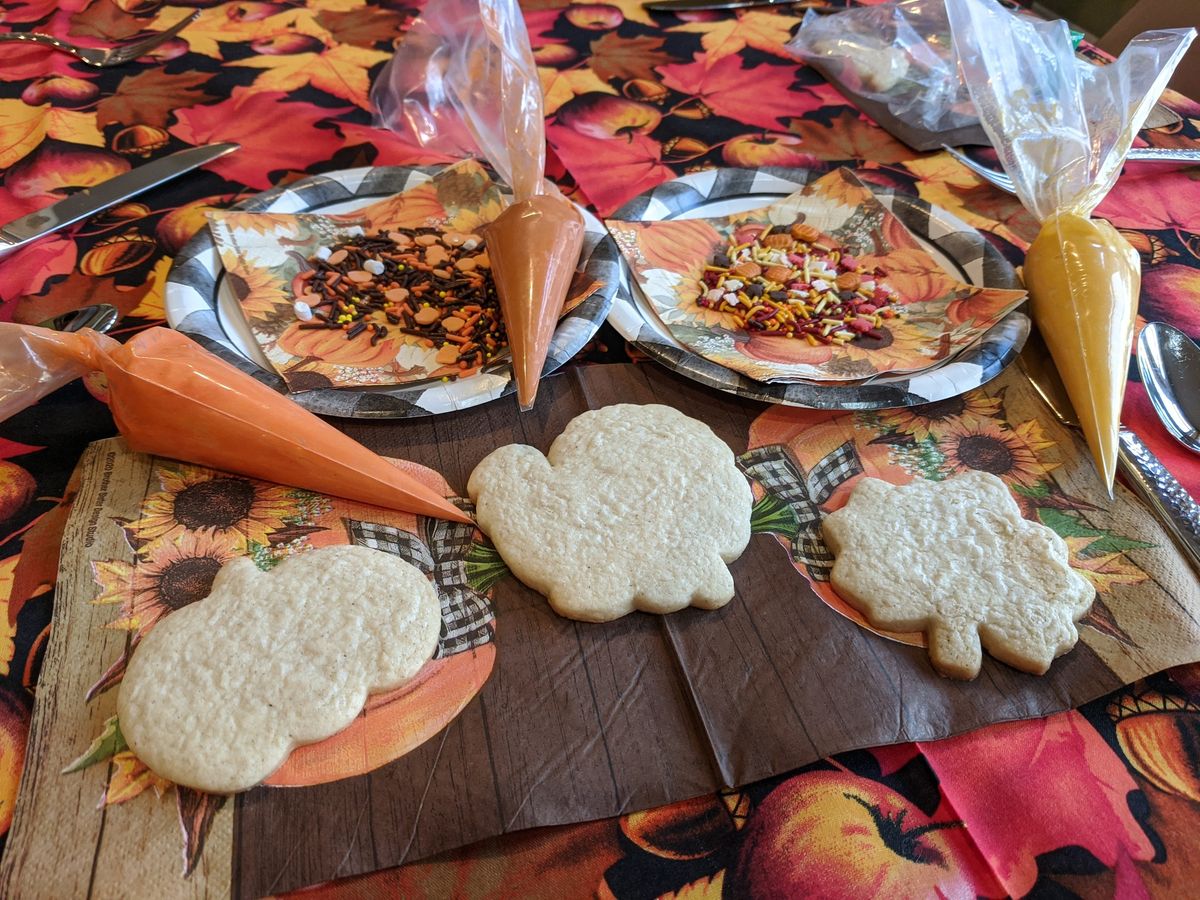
(435, 286)
(790, 284)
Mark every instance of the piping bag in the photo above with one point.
(1062, 131)
(467, 65)
(170, 397)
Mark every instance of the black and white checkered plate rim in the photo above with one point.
(980, 262)
(193, 285)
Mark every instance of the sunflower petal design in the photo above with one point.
(226, 507)
(1015, 454)
(168, 574)
(932, 420)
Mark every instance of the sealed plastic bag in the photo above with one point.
(1062, 132)
(172, 398)
(897, 54)
(896, 62)
(464, 82)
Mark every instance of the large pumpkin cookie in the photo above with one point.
(220, 692)
(637, 507)
(956, 560)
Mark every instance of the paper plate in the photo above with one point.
(958, 247)
(201, 304)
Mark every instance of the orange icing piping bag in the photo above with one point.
(533, 247)
(534, 244)
(476, 58)
(170, 397)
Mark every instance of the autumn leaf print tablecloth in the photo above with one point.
(1102, 800)
(782, 676)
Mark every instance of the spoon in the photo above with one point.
(1170, 365)
(100, 317)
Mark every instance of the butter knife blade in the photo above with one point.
(27, 228)
(1162, 493)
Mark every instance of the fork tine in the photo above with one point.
(999, 179)
(138, 48)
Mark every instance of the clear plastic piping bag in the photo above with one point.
(463, 82)
(1061, 131)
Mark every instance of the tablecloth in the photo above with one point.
(1100, 801)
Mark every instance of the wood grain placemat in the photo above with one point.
(580, 721)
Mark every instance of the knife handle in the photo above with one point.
(1165, 496)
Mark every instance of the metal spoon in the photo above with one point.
(100, 317)
(1170, 365)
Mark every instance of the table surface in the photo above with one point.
(1098, 801)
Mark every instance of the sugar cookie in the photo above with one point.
(956, 560)
(637, 507)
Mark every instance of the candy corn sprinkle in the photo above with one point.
(791, 283)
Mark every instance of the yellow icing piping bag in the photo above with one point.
(1062, 129)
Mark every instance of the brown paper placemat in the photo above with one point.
(580, 721)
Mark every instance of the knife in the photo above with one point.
(82, 204)
(1158, 488)
(697, 5)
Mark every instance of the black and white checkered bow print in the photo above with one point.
(466, 614)
(774, 468)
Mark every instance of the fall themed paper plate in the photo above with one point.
(206, 302)
(272, 259)
(685, 266)
(956, 248)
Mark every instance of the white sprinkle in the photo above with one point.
(323, 253)
(714, 294)
(374, 266)
(731, 298)
(733, 284)
(470, 244)
(867, 285)
(303, 311)
(820, 285)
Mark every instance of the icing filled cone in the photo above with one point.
(172, 398)
(533, 247)
(1083, 280)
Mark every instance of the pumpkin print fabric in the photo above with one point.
(1104, 800)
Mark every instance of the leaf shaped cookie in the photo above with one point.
(636, 507)
(956, 560)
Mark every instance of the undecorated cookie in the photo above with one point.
(956, 560)
(637, 507)
(220, 692)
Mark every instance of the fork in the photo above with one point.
(1137, 154)
(103, 58)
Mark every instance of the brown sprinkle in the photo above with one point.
(420, 283)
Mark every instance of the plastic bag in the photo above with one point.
(1061, 129)
(464, 83)
(1061, 132)
(898, 54)
(466, 70)
(170, 397)
(34, 362)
